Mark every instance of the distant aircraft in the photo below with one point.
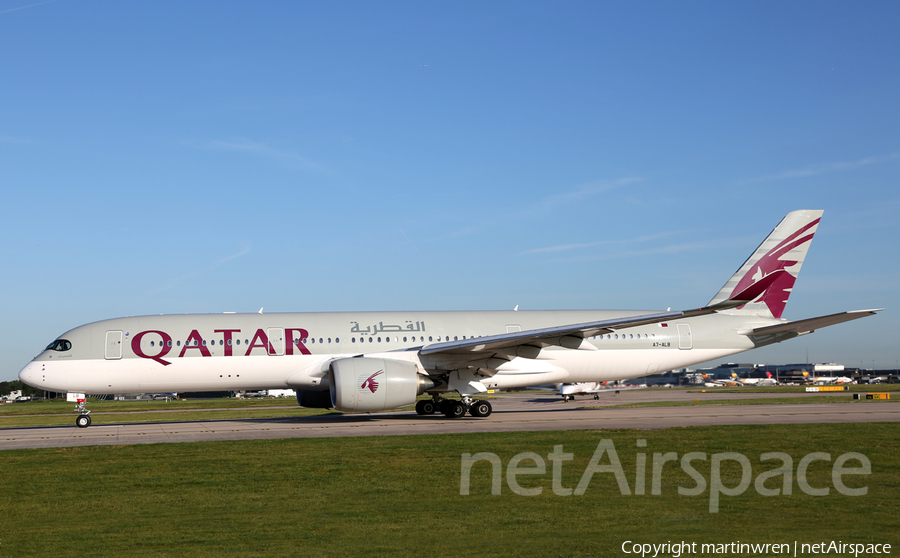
(820, 380)
(733, 381)
(569, 391)
(374, 361)
(767, 381)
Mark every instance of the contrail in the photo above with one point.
(28, 6)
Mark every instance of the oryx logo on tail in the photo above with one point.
(784, 249)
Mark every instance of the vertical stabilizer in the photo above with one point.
(785, 248)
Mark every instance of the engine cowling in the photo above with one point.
(375, 384)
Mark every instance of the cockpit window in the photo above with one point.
(59, 345)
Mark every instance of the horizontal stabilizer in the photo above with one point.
(811, 324)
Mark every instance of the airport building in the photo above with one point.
(781, 373)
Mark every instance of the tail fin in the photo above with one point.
(785, 248)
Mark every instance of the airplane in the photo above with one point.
(376, 361)
(569, 391)
(730, 382)
(820, 380)
(767, 381)
(733, 381)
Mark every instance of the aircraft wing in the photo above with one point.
(811, 324)
(494, 350)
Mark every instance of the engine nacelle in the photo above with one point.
(375, 384)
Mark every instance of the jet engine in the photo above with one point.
(375, 384)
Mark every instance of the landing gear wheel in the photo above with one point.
(425, 407)
(455, 409)
(480, 409)
(83, 421)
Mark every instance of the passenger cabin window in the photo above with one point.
(59, 345)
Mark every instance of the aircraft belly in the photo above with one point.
(222, 373)
(83, 376)
(143, 376)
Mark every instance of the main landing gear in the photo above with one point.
(84, 416)
(453, 408)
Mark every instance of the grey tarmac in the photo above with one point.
(512, 413)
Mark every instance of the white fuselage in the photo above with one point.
(216, 352)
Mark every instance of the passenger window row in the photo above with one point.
(63, 345)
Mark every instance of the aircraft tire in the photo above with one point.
(83, 421)
(481, 409)
(425, 407)
(455, 409)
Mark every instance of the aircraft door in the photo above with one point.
(276, 341)
(684, 336)
(113, 345)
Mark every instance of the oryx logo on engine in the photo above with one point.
(370, 383)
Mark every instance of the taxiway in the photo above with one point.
(512, 412)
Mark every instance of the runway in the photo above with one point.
(512, 412)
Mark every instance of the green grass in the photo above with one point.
(140, 418)
(854, 388)
(61, 406)
(59, 413)
(818, 399)
(398, 496)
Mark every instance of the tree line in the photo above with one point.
(14, 385)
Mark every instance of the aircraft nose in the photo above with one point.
(29, 374)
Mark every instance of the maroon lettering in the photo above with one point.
(227, 333)
(164, 346)
(298, 342)
(195, 337)
(263, 343)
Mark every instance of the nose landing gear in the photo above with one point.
(84, 418)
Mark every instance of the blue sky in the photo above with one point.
(171, 157)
